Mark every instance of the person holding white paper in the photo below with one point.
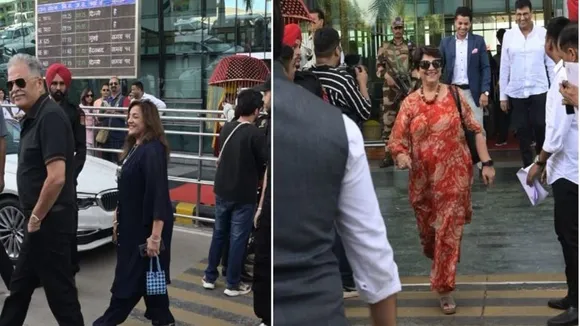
(559, 156)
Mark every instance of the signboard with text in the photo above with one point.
(93, 38)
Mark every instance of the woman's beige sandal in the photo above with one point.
(447, 304)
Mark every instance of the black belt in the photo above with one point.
(465, 87)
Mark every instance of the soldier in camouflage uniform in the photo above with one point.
(398, 52)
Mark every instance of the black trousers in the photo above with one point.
(120, 308)
(262, 273)
(45, 257)
(74, 252)
(503, 121)
(566, 225)
(529, 120)
(6, 267)
(343, 264)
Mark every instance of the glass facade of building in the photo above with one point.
(181, 43)
(363, 26)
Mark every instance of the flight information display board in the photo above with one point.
(93, 38)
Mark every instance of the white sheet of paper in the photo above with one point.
(572, 72)
(536, 193)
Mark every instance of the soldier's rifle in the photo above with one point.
(402, 80)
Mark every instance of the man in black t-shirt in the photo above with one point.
(46, 184)
(240, 166)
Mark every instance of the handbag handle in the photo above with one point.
(151, 264)
(457, 100)
(228, 138)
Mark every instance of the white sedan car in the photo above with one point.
(96, 198)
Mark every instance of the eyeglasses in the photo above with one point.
(20, 82)
(89, 95)
(104, 90)
(425, 64)
(113, 84)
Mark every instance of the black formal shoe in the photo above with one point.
(567, 318)
(560, 304)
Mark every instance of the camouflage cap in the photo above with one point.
(398, 21)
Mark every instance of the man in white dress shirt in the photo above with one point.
(523, 80)
(308, 57)
(560, 158)
(138, 91)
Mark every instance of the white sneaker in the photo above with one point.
(349, 294)
(241, 289)
(207, 285)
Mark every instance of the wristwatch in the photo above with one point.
(488, 163)
(538, 163)
(486, 93)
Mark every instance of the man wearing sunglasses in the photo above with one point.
(45, 180)
(466, 63)
(394, 65)
(58, 80)
(115, 138)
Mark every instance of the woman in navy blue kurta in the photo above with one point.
(143, 198)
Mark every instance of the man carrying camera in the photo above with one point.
(351, 96)
(394, 66)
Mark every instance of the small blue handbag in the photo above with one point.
(156, 283)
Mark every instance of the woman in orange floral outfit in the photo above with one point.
(428, 139)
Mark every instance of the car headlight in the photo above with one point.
(85, 201)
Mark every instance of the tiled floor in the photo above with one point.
(507, 234)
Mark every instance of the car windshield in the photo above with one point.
(12, 136)
(8, 34)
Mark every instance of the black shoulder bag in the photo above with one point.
(469, 135)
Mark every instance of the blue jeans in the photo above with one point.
(232, 220)
(343, 264)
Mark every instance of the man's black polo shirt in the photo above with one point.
(46, 135)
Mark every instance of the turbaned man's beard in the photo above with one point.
(58, 96)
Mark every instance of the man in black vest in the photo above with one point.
(58, 80)
(322, 179)
(46, 186)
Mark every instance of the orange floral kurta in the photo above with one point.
(440, 177)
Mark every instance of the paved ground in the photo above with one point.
(191, 304)
(510, 265)
(508, 243)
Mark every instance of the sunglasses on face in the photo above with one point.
(89, 95)
(425, 64)
(104, 90)
(113, 84)
(20, 82)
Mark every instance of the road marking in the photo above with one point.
(489, 294)
(190, 231)
(134, 322)
(539, 294)
(188, 317)
(493, 279)
(488, 311)
(503, 311)
(490, 283)
(194, 279)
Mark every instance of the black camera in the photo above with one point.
(351, 63)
